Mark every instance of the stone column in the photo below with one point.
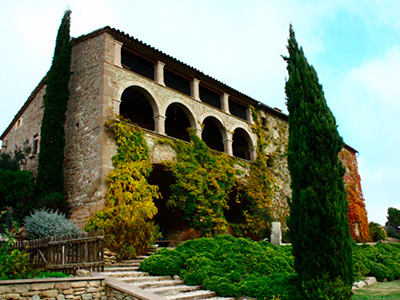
(159, 124)
(248, 115)
(253, 154)
(117, 53)
(194, 89)
(116, 103)
(159, 72)
(276, 233)
(228, 146)
(225, 103)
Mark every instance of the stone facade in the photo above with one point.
(98, 84)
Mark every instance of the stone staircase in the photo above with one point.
(164, 286)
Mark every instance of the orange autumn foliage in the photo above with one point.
(357, 214)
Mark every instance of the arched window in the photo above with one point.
(212, 134)
(136, 107)
(240, 145)
(177, 121)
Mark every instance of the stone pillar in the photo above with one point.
(159, 72)
(117, 53)
(159, 124)
(116, 103)
(276, 233)
(248, 115)
(194, 89)
(253, 154)
(225, 103)
(228, 146)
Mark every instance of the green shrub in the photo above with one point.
(164, 262)
(14, 264)
(377, 232)
(44, 223)
(326, 289)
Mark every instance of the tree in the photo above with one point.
(50, 179)
(318, 223)
(393, 222)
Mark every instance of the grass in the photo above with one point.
(380, 290)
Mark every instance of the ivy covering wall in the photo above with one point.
(129, 206)
(357, 214)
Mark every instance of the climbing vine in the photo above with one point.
(258, 190)
(129, 206)
(204, 180)
(357, 214)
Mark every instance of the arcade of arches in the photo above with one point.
(139, 107)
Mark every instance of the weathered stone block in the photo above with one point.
(42, 286)
(68, 292)
(20, 288)
(49, 293)
(12, 296)
(87, 297)
(82, 273)
(370, 280)
(359, 285)
(78, 284)
(62, 285)
(94, 283)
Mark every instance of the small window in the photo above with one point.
(18, 124)
(264, 121)
(35, 146)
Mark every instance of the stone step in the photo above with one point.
(125, 274)
(120, 269)
(126, 264)
(145, 278)
(173, 290)
(192, 295)
(154, 284)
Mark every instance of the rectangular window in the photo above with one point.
(177, 82)
(35, 146)
(137, 64)
(237, 110)
(210, 97)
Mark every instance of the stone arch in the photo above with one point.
(242, 144)
(214, 133)
(139, 106)
(178, 119)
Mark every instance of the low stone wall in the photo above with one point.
(76, 288)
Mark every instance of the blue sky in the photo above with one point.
(353, 45)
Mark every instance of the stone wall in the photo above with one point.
(84, 130)
(26, 129)
(77, 288)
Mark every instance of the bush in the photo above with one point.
(241, 267)
(376, 232)
(44, 223)
(229, 266)
(164, 262)
(14, 264)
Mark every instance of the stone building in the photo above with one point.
(116, 74)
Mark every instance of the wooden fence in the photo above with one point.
(67, 253)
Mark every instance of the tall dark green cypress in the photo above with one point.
(50, 179)
(319, 228)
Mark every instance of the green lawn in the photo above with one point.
(381, 290)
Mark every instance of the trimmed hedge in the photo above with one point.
(238, 266)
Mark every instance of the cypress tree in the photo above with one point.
(50, 179)
(319, 228)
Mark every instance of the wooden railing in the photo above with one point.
(66, 253)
